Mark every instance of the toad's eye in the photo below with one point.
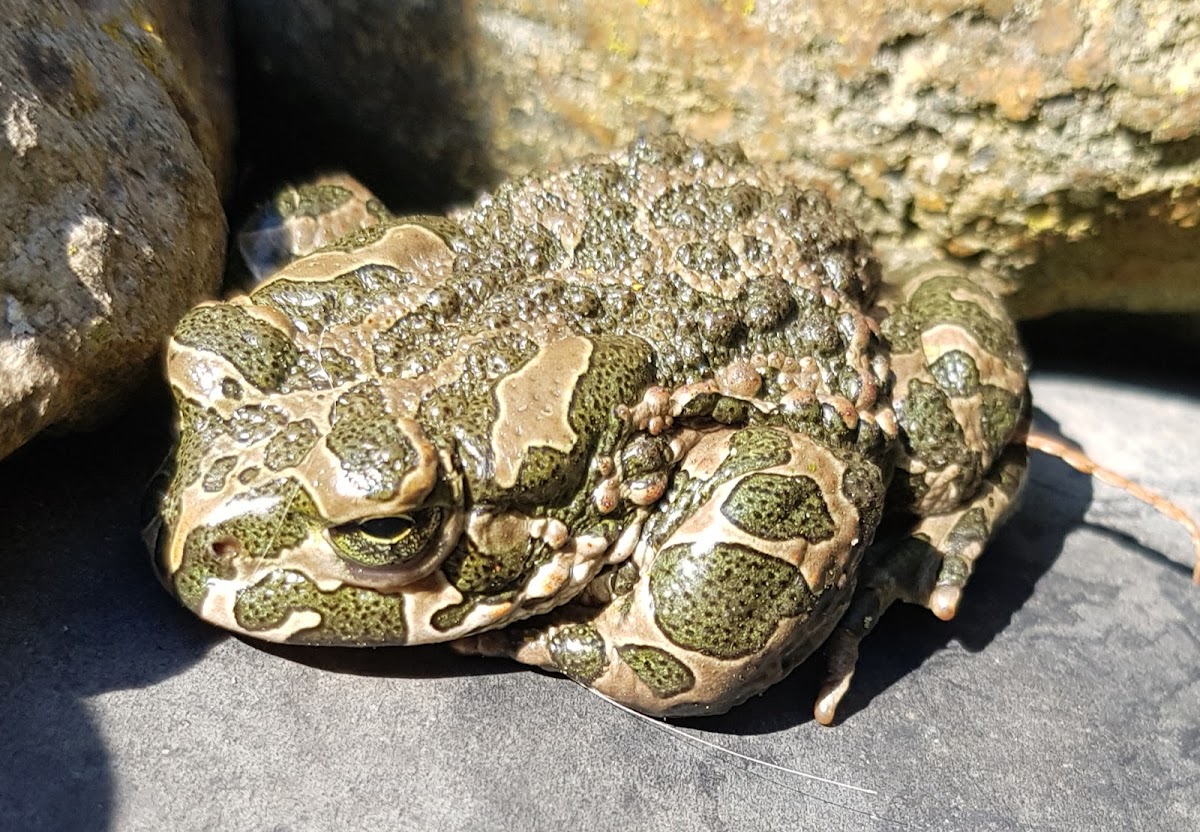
(387, 529)
(399, 541)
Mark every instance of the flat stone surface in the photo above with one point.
(1066, 695)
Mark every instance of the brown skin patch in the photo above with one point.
(533, 405)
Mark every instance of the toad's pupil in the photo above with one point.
(387, 528)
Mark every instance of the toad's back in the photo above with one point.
(704, 256)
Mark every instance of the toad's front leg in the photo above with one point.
(929, 566)
(739, 578)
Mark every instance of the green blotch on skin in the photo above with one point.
(750, 449)
(756, 448)
(201, 562)
(472, 570)
(368, 443)
(929, 425)
(664, 674)
(823, 423)
(962, 545)
(645, 455)
(218, 472)
(863, 486)
(289, 447)
(625, 578)
(465, 408)
(261, 353)
(313, 304)
(199, 428)
(578, 651)
(311, 200)
(255, 423)
(970, 530)
(934, 303)
(619, 370)
(730, 411)
(777, 507)
(999, 410)
(727, 601)
(906, 490)
(699, 405)
(338, 368)
(956, 373)
(1010, 470)
(349, 615)
(447, 618)
(542, 472)
(934, 437)
(954, 571)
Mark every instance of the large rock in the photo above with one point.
(1056, 143)
(115, 141)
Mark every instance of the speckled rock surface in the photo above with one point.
(1054, 141)
(115, 142)
(1066, 696)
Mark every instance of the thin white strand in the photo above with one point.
(679, 732)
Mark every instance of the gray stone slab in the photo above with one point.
(1066, 696)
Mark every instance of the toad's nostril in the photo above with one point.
(226, 548)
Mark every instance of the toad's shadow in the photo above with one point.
(429, 661)
(1055, 500)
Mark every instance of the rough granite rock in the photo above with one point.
(1055, 142)
(115, 141)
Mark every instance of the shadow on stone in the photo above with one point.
(81, 614)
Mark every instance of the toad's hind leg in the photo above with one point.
(734, 583)
(962, 406)
(929, 566)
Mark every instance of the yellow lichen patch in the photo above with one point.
(1041, 218)
(743, 7)
(621, 43)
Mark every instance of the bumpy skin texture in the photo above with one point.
(662, 394)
